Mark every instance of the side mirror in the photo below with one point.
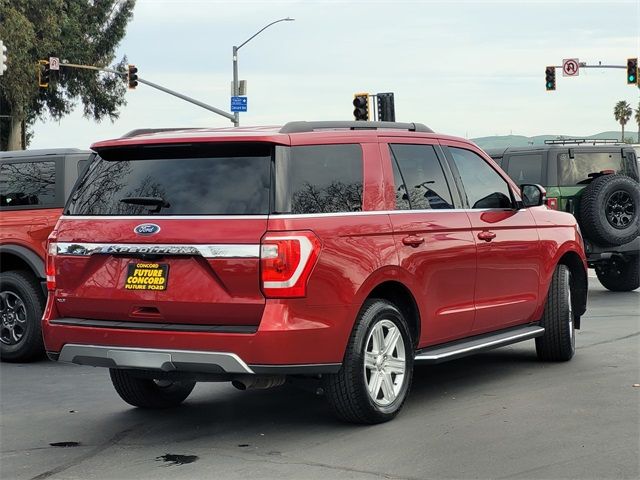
(533, 195)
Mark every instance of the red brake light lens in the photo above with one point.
(286, 262)
(50, 267)
(552, 203)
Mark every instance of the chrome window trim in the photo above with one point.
(151, 218)
(379, 212)
(206, 251)
(275, 216)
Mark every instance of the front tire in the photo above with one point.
(375, 378)
(558, 343)
(149, 393)
(21, 306)
(619, 275)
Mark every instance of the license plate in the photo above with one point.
(147, 276)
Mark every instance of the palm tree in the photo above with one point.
(622, 113)
(638, 120)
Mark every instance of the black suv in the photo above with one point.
(597, 181)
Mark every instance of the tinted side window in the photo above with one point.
(27, 183)
(526, 168)
(484, 187)
(419, 179)
(319, 179)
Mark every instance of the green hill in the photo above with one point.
(522, 141)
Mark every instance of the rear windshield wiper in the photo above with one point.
(157, 202)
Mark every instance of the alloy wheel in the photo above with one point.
(620, 210)
(384, 362)
(13, 314)
(572, 331)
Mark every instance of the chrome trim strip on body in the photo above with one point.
(275, 216)
(466, 348)
(376, 212)
(151, 358)
(206, 251)
(151, 218)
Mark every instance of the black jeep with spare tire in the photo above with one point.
(597, 181)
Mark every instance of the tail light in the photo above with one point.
(50, 267)
(552, 203)
(286, 262)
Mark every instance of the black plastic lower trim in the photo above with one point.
(175, 327)
(53, 356)
(313, 369)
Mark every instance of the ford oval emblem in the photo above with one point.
(147, 229)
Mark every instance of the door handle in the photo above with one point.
(413, 240)
(486, 236)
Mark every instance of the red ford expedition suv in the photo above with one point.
(346, 250)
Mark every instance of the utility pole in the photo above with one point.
(236, 89)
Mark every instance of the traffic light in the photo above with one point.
(44, 73)
(3, 57)
(361, 104)
(632, 71)
(386, 107)
(550, 76)
(132, 76)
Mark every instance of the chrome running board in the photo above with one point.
(479, 343)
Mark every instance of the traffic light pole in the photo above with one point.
(188, 99)
(157, 87)
(584, 65)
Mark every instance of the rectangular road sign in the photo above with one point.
(238, 104)
(54, 63)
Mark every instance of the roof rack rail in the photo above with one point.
(144, 131)
(301, 127)
(579, 141)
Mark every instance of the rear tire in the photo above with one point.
(148, 393)
(21, 306)
(557, 344)
(619, 275)
(375, 378)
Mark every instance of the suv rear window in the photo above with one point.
(27, 183)
(575, 171)
(229, 179)
(319, 179)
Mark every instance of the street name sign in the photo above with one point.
(238, 104)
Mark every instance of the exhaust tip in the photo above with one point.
(239, 385)
(246, 382)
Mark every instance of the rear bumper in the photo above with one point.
(179, 361)
(596, 253)
(285, 342)
(153, 359)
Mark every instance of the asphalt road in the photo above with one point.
(496, 415)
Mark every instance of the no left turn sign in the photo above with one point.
(570, 67)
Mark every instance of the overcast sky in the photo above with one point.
(466, 68)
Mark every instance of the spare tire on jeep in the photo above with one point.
(609, 210)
